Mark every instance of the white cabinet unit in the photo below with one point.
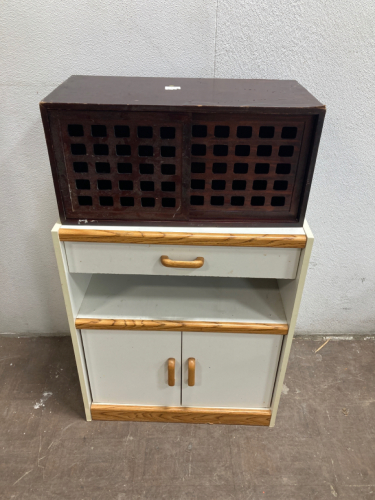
(187, 325)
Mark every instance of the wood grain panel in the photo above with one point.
(185, 326)
(170, 238)
(180, 415)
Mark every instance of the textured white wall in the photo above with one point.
(328, 46)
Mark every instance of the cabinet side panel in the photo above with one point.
(73, 294)
(291, 295)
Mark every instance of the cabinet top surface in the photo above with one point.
(181, 92)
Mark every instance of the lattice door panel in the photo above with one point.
(122, 165)
(245, 166)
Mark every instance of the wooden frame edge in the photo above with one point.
(181, 326)
(174, 238)
(176, 414)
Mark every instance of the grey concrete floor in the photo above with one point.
(322, 447)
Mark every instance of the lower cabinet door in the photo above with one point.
(131, 367)
(232, 370)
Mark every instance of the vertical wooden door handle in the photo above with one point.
(191, 372)
(171, 371)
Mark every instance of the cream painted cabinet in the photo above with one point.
(182, 325)
(231, 370)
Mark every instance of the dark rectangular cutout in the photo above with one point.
(241, 168)
(278, 201)
(198, 168)
(82, 184)
(285, 151)
(244, 132)
(106, 201)
(123, 150)
(148, 202)
(144, 132)
(289, 133)
(266, 132)
(199, 131)
(75, 130)
(127, 201)
(101, 150)
(198, 149)
(197, 183)
(283, 168)
(264, 150)
(102, 167)
(124, 168)
(257, 201)
(122, 131)
(146, 168)
(262, 168)
(78, 149)
(168, 202)
(125, 185)
(145, 151)
(168, 169)
(167, 133)
(80, 167)
(104, 184)
(168, 151)
(98, 130)
(84, 201)
(237, 201)
(219, 168)
(168, 186)
(220, 150)
(147, 186)
(218, 185)
(242, 150)
(221, 131)
(259, 185)
(196, 200)
(280, 185)
(239, 185)
(217, 200)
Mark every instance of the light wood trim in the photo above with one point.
(191, 372)
(181, 326)
(171, 371)
(179, 414)
(185, 264)
(170, 238)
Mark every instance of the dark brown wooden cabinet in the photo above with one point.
(188, 152)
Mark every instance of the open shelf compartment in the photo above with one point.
(182, 303)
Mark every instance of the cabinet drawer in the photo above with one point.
(125, 258)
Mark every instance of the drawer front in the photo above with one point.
(125, 258)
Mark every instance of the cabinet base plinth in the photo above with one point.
(176, 414)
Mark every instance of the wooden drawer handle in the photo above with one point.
(171, 371)
(191, 372)
(167, 262)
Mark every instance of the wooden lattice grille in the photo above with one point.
(244, 165)
(179, 166)
(123, 164)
